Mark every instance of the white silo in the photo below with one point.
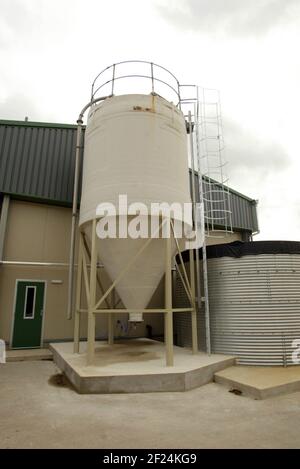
(135, 146)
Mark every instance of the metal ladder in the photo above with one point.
(211, 205)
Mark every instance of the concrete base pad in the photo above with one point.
(260, 382)
(136, 365)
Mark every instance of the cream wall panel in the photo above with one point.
(37, 233)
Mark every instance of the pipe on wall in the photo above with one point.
(3, 224)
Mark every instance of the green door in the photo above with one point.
(29, 310)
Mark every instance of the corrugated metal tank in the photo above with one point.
(254, 303)
(134, 145)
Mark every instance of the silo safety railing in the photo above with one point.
(149, 71)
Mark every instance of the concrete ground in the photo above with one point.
(37, 414)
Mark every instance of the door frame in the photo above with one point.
(14, 310)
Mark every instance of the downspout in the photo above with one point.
(75, 203)
(254, 216)
(3, 224)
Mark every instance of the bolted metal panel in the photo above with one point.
(254, 308)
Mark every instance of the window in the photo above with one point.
(29, 303)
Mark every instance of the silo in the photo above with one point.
(135, 207)
(135, 147)
(254, 297)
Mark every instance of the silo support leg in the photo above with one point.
(168, 305)
(76, 332)
(91, 338)
(92, 300)
(78, 299)
(169, 338)
(111, 320)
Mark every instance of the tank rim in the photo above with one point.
(239, 249)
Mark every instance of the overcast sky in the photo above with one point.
(51, 51)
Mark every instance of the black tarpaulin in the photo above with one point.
(253, 248)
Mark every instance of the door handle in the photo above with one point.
(42, 312)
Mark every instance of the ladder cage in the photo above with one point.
(209, 157)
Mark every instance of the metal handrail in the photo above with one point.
(136, 76)
(151, 76)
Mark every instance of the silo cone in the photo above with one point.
(135, 146)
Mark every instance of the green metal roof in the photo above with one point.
(49, 125)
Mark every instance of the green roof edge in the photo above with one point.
(37, 124)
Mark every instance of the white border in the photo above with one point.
(25, 303)
(14, 311)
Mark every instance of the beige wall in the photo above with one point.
(37, 232)
(55, 323)
(41, 233)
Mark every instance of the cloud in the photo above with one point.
(248, 151)
(18, 106)
(234, 17)
(261, 168)
(15, 20)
